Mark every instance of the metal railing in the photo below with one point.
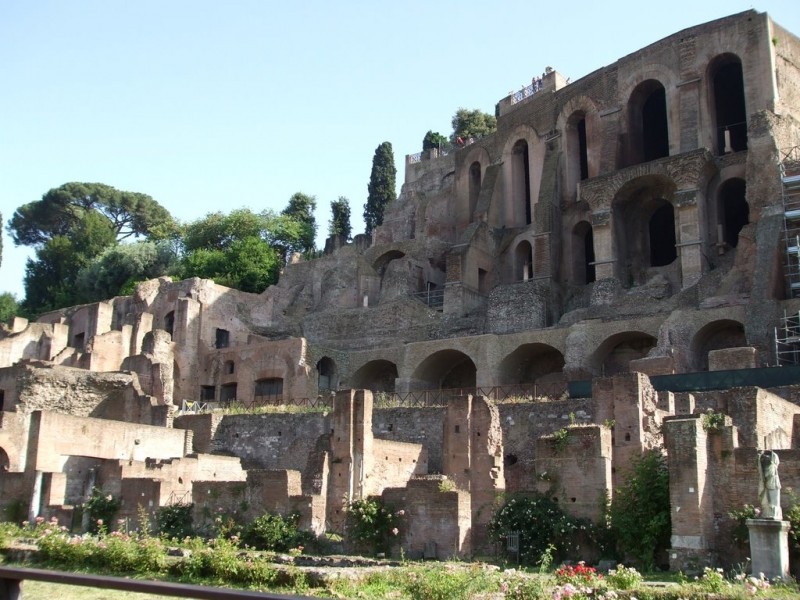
(525, 92)
(433, 298)
(501, 394)
(11, 579)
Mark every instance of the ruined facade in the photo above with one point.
(619, 239)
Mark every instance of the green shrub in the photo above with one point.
(102, 509)
(640, 510)
(371, 523)
(623, 578)
(542, 527)
(449, 582)
(175, 520)
(275, 532)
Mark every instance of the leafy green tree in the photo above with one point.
(381, 186)
(340, 218)
(640, 511)
(472, 124)
(62, 208)
(434, 139)
(301, 208)
(242, 250)
(8, 307)
(118, 268)
(50, 278)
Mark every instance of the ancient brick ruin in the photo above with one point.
(613, 261)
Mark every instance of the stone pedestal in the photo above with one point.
(769, 547)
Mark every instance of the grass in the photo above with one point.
(40, 590)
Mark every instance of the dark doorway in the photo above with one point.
(735, 210)
(729, 106)
(655, 136)
(662, 236)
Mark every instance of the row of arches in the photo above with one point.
(537, 362)
(649, 124)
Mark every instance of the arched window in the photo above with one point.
(327, 379)
(523, 262)
(474, 188)
(583, 270)
(647, 114)
(730, 113)
(662, 236)
(734, 210)
(521, 182)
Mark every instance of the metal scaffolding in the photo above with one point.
(787, 341)
(790, 175)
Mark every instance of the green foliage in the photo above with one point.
(221, 561)
(102, 508)
(8, 307)
(340, 218)
(434, 140)
(561, 440)
(542, 527)
(472, 124)
(118, 268)
(62, 209)
(624, 578)
(275, 532)
(301, 208)
(175, 520)
(371, 523)
(437, 583)
(640, 511)
(741, 534)
(381, 188)
(712, 421)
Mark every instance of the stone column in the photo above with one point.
(769, 547)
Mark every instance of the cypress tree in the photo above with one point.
(381, 186)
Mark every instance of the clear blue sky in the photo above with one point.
(211, 106)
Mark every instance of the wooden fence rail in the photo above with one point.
(11, 589)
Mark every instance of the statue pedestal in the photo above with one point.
(769, 547)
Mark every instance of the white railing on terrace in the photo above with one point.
(526, 92)
(433, 298)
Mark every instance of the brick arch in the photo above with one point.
(506, 209)
(614, 354)
(529, 363)
(446, 369)
(376, 375)
(580, 108)
(715, 335)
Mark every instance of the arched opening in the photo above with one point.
(644, 229)
(583, 270)
(5, 463)
(730, 113)
(735, 212)
(474, 188)
(662, 235)
(376, 375)
(521, 181)
(531, 363)
(447, 369)
(523, 261)
(169, 322)
(583, 154)
(384, 259)
(327, 376)
(717, 335)
(268, 390)
(649, 130)
(616, 353)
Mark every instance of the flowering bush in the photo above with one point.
(370, 522)
(102, 508)
(712, 580)
(624, 578)
(541, 524)
(275, 532)
(578, 574)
